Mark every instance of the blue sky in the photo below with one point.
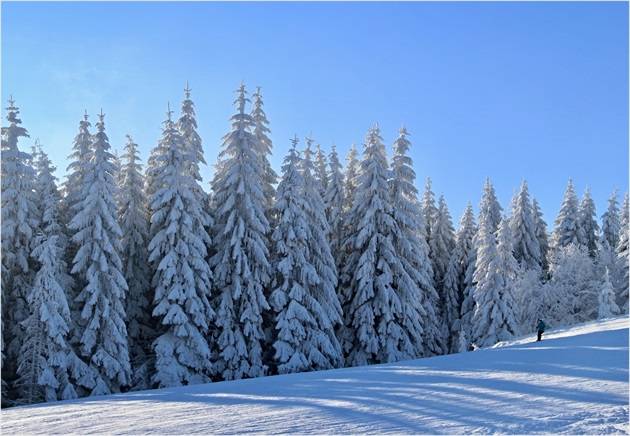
(505, 90)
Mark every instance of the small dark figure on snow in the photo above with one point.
(541, 328)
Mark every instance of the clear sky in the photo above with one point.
(505, 90)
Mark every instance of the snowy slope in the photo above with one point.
(574, 381)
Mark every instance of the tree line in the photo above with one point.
(130, 276)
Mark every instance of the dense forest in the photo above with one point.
(129, 277)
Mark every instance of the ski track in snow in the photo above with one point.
(575, 381)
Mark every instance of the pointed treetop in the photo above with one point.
(295, 141)
(101, 116)
(169, 112)
(85, 116)
(187, 90)
(11, 101)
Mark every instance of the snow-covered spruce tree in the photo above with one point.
(523, 227)
(427, 206)
(77, 168)
(19, 224)
(441, 244)
(320, 254)
(181, 275)
(334, 201)
(97, 263)
(494, 318)
(419, 295)
(588, 223)
(187, 126)
(610, 223)
(490, 208)
(623, 254)
(241, 237)
(374, 329)
(264, 150)
(607, 306)
(134, 223)
(568, 229)
(305, 336)
(351, 174)
(540, 227)
(47, 361)
(455, 282)
(320, 171)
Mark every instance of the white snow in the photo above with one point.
(575, 381)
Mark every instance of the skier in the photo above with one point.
(541, 328)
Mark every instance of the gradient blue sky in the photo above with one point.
(505, 90)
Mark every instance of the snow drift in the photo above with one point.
(574, 381)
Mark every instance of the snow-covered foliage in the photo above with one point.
(607, 306)
(334, 202)
(241, 240)
(495, 270)
(541, 234)
(458, 299)
(527, 250)
(97, 263)
(588, 223)
(610, 222)
(623, 254)
(306, 306)
(19, 228)
(568, 228)
(181, 274)
(134, 225)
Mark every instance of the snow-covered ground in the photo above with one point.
(574, 381)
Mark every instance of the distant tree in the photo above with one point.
(351, 174)
(334, 201)
(181, 274)
(241, 237)
(610, 222)
(134, 223)
(568, 228)
(455, 282)
(429, 211)
(541, 234)
(527, 250)
(97, 264)
(623, 254)
(588, 223)
(320, 171)
(490, 208)
(607, 306)
(304, 322)
(19, 225)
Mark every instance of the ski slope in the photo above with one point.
(575, 381)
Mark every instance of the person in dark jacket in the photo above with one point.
(541, 328)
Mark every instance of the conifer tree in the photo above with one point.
(97, 264)
(523, 228)
(607, 306)
(264, 149)
(77, 168)
(19, 224)
(241, 262)
(351, 173)
(490, 208)
(588, 223)
(568, 228)
(428, 209)
(304, 322)
(319, 169)
(134, 223)
(623, 253)
(419, 295)
(455, 282)
(181, 275)
(540, 227)
(372, 306)
(494, 319)
(334, 201)
(610, 223)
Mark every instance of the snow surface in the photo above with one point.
(574, 381)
